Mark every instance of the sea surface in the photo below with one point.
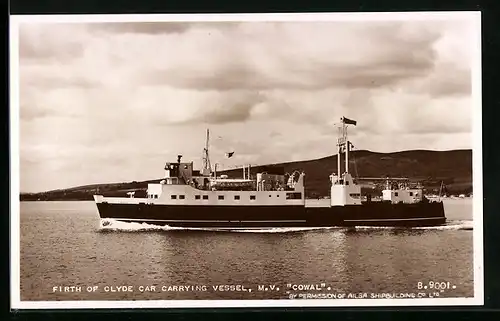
(63, 244)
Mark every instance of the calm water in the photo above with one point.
(62, 244)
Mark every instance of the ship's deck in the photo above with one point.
(325, 202)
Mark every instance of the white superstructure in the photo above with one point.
(401, 192)
(182, 185)
(344, 191)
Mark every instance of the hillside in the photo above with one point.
(454, 168)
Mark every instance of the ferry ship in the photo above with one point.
(206, 199)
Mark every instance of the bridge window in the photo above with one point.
(197, 197)
(396, 193)
(411, 193)
(293, 196)
(205, 197)
(173, 197)
(252, 197)
(237, 197)
(181, 197)
(221, 197)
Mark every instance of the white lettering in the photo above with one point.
(229, 288)
(151, 288)
(393, 296)
(120, 288)
(72, 288)
(183, 288)
(306, 287)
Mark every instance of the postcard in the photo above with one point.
(246, 160)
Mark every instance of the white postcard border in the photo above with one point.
(477, 163)
(16, 302)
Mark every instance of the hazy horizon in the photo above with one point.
(160, 169)
(111, 102)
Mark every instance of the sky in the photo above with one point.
(113, 101)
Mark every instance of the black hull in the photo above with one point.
(234, 217)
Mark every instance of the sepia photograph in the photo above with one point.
(246, 160)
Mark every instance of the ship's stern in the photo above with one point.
(439, 212)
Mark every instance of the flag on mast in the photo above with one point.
(348, 121)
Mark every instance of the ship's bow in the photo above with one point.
(98, 199)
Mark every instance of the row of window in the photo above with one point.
(396, 193)
(221, 197)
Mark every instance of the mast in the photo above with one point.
(339, 154)
(343, 190)
(343, 143)
(346, 144)
(207, 168)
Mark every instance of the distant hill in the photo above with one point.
(453, 168)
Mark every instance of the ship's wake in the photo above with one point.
(285, 229)
(451, 225)
(110, 225)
